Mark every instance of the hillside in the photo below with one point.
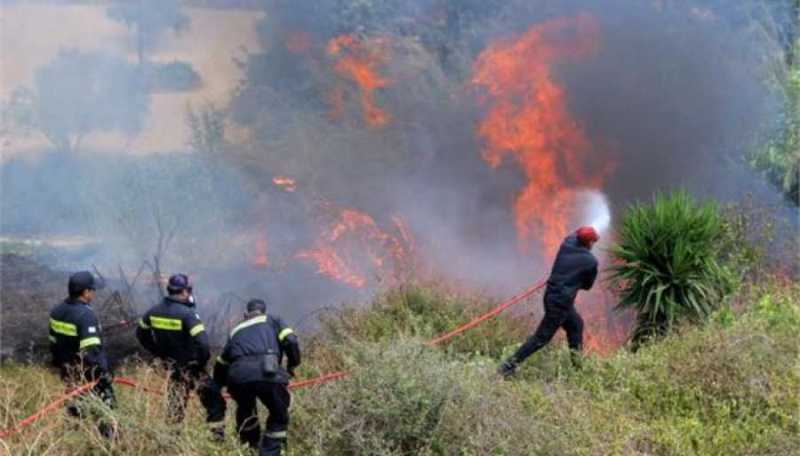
(731, 387)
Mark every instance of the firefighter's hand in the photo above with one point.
(291, 372)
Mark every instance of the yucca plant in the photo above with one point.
(666, 263)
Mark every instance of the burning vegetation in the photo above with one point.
(529, 121)
(286, 183)
(391, 113)
(353, 249)
(261, 259)
(359, 61)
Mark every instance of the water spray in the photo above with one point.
(594, 210)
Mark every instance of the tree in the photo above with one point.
(176, 210)
(78, 93)
(151, 18)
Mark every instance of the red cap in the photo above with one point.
(587, 235)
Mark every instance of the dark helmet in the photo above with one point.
(178, 283)
(84, 280)
(256, 306)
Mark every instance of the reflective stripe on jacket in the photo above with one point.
(242, 358)
(173, 331)
(75, 336)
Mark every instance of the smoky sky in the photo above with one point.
(675, 97)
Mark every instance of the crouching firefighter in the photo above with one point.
(77, 346)
(173, 332)
(251, 367)
(575, 268)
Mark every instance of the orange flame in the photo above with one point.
(528, 121)
(358, 61)
(286, 183)
(261, 260)
(353, 247)
(606, 328)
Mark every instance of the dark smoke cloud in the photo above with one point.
(674, 97)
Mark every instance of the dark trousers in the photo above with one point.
(556, 315)
(276, 398)
(74, 376)
(181, 384)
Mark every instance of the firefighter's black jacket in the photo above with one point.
(241, 359)
(75, 338)
(174, 332)
(575, 268)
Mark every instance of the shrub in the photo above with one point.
(667, 264)
(175, 76)
(405, 398)
(779, 158)
(425, 311)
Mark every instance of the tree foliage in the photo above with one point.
(79, 93)
(150, 18)
(175, 76)
(780, 157)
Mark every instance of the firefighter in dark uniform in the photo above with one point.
(173, 332)
(251, 367)
(76, 343)
(575, 268)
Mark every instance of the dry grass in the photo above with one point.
(730, 387)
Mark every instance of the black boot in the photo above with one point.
(576, 356)
(108, 430)
(217, 432)
(273, 445)
(507, 368)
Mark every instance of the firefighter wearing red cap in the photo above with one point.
(173, 332)
(575, 268)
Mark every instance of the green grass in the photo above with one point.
(730, 387)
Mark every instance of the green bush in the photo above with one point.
(425, 311)
(666, 263)
(779, 158)
(404, 398)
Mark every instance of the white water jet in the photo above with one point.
(594, 210)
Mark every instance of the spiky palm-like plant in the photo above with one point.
(667, 263)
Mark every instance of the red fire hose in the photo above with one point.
(46, 410)
(322, 379)
(119, 324)
(492, 313)
(133, 384)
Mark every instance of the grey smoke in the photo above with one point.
(677, 97)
